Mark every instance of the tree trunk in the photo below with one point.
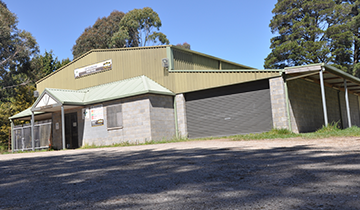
(356, 54)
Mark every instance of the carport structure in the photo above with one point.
(326, 76)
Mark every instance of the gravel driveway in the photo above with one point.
(213, 174)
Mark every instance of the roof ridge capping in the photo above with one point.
(66, 90)
(146, 86)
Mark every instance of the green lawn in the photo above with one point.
(325, 132)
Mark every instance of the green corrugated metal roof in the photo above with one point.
(111, 91)
(331, 69)
(25, 113)
(124, 88)
(64, 96)
(106, 92)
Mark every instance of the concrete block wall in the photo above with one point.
(181, 115)
(136, 119)
(278, 105)
(354, 110)
(162, 117)
(306, 109)
(136, 123)
(306, 106)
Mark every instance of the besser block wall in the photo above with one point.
(306, 109)
(145, 118)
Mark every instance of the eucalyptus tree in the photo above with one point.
(139, 27)
(99, 35)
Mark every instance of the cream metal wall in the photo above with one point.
(186, 59)
(126, 63)
(192, 81)
(192, 71)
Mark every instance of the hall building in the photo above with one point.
(141, 94)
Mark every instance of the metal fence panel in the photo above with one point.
(42, 132)
(18, 139)
(44, 135)
(27, 138)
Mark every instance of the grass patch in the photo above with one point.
(4, 152)
(272, 134)
(88, 146)
(332, 130)
(126, 144)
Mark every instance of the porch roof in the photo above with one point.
(24, 113)
(106, 92)
(333, 77)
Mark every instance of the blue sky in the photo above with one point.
(236, 30)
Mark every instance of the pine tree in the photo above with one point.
(311, 32)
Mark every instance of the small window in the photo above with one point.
(114, 117)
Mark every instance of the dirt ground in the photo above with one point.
(214, 174)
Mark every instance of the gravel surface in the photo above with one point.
(214, 174)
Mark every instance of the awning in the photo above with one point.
(333, 77)
(326, 75)
(26, 115)
(52, 99)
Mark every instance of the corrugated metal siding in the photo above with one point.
(205, 63)
(236, 109)
(183, 60)
(225, 65)
(181, 82)
(127, 63)
(133, 62)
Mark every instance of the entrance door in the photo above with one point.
(71, 131)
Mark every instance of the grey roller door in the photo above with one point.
(236, 109)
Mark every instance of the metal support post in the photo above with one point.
(63, 126)
(32, 131)
(12, 136)
(323, 95)
(347, 103)
(287, 103)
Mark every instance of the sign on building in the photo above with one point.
(94, 68)
(97, 115)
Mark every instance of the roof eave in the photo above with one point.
(341, 73)
(128, 95)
